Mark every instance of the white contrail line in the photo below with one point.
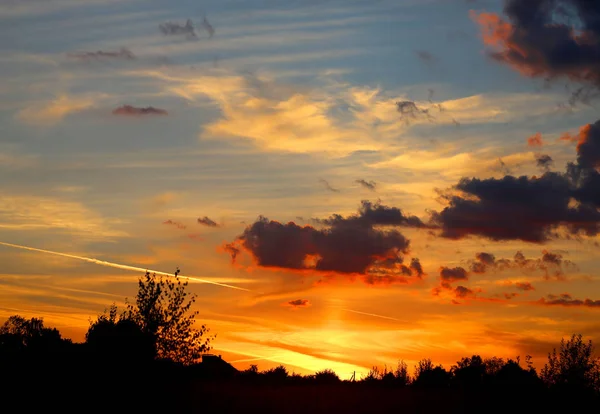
(372, 314)
(121, 266)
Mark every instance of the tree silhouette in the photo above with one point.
(119, 339)
(20, 334)
(162, 310)
(573, 366)
(430, 376)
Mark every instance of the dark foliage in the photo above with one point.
(120, 368)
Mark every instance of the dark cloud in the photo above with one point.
(207, 222)
(188, 29)
(298, 303)
(175, 224)
(328, 186)
(233, 250)
(369, 185)
(379, 214)
(425, 57)
(208, 27)
(345, 245)
(523, 208)
(566, 299)
(128, 110)
(416, 267)
(544, 161)
(122, 54)
(177, 29)
(535, 140)
(450, 275)
(430, 94)
(462, 292)
(409, 110)
(503, 167)
(525, 286)
(588, 147)
(547, 38)
(551, 264)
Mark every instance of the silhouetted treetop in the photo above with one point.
(162, 310)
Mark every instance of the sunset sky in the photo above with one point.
(385, 180)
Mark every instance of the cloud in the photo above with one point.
(122, 54)
(369, 185)
(175, 224)
(450, 275)
(425, 57)
(535, 140)
(551, 264)
(353, 245)
(377, 214)
(128, 110)
(331, 118)
(410, 111)
(567, 300)
(546, 38)
(52, 112)
(205, 221)
(525, 286)
(25, 213)
(462, 292)
(530, 209)
(208, 27)
(298, 303)
(544, 161)
(328, 186)
(178, 29)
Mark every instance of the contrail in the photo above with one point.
(372, 314)
(121, 266)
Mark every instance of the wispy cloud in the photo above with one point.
(45, 213)
(52, 112)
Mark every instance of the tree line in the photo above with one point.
(156, 338)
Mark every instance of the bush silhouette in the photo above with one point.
(574, 366)
(119, 339)
(429, 376)
(18, 334)
(326, 376)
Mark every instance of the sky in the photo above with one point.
(346, 183)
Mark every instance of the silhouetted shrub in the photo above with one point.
(119, 339)
(326, 376)
(469, 372)
(429, 376)
(574, 366)
(277, 375)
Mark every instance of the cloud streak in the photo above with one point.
(121, 266)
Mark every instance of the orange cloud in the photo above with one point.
(535, 140)
(494, 30)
